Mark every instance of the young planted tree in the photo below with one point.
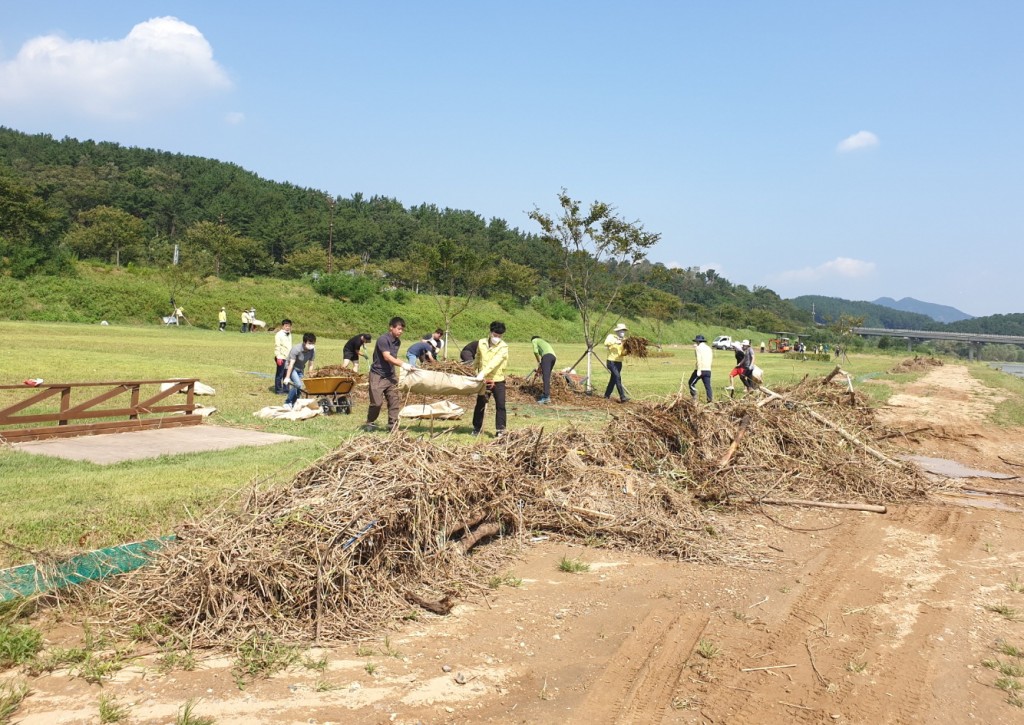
(598, 248)
(457, 271)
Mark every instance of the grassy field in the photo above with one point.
(57, 505)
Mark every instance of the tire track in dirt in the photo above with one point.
(637, 684)
(858, 605)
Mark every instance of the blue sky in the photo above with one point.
(855, 150)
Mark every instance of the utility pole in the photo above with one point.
(330, 236)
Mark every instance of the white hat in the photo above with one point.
(746, 343)
(619, 327)
(434, 343)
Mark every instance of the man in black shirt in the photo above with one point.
(468, 353)
(384, 378)
(353, 350)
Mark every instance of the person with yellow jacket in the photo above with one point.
(491, 361)
(614, 343)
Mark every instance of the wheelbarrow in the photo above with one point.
(333, 394)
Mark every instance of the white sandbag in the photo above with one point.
(441, 410)
(200, 388)
(433, 382)
(302, 409)
(757, 374)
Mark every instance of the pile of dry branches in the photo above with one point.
(812, 442)
(386, 524)
(452, 367)
(635, 346)
(563, 391)
(916, 364)
(335, 371)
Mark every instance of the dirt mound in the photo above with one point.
(916, 364)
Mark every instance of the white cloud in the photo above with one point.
(161, 64)
(856, 142)
(840, 267)
(234, 118)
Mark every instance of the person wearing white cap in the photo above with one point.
(614, 343)
(746, 366)
(702, 369)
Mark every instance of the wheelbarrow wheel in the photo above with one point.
(345, 406)
(325, 405)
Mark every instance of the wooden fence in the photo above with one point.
(64, 421)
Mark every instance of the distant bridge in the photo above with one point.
(973, 339)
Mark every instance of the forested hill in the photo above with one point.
(828, 309)
(62, 199)
(831, 308)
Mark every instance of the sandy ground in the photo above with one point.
(840, 618)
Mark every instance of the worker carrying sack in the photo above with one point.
(432, 382)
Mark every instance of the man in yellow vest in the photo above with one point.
(222, 319)
(613, 343)
(491, 361)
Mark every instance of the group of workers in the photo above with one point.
(249, 321)
(744, 369)
(489, 358)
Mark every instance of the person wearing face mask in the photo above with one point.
(282, 346)
(613, 343)
(491, 361)
(298, 358)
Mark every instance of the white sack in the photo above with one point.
(441, 410)
(432, 382)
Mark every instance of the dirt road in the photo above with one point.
(838, 618)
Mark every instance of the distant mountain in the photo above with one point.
(828, 309)
(939, 313)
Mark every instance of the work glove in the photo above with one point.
(406, 367)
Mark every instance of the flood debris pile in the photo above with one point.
(385, 525)
(811, 441)
(916, 364)
(566, 389)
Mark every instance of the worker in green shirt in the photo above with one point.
(545, 355)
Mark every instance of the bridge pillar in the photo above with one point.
(910, 344)
(973, 350)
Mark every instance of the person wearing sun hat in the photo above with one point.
(614, 343)
(702, 368)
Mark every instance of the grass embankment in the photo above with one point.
(1008, 412)
(56, 505)
(141, 296)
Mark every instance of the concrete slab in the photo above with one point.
(135, 445)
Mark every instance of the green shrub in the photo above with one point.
(556, 309)
(350, 287)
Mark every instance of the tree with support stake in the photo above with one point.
(598, 248)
